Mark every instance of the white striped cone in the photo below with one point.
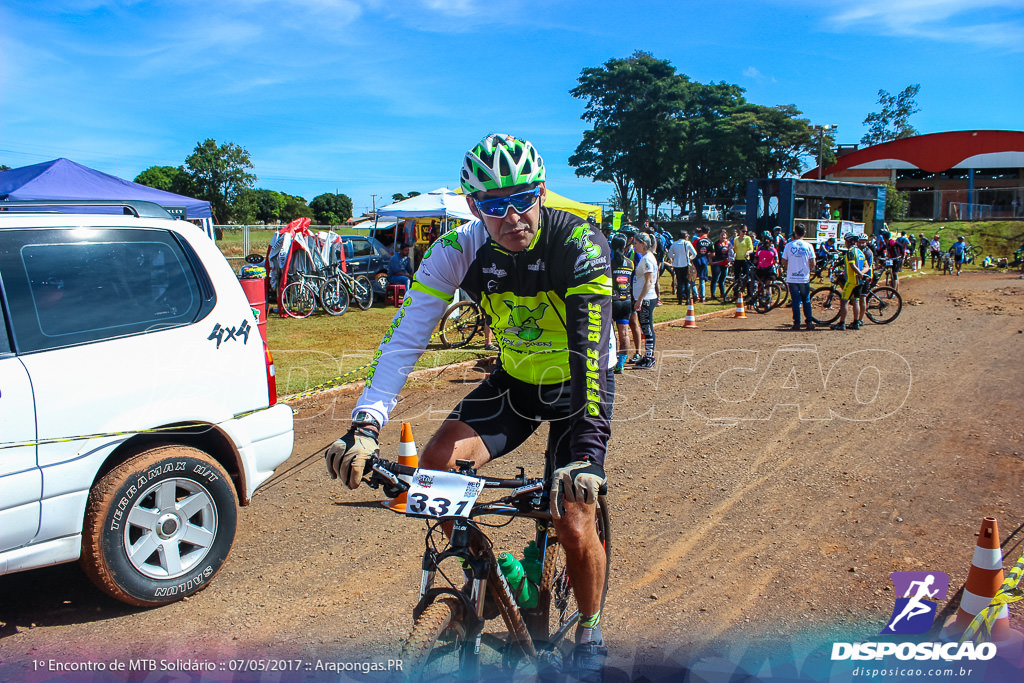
(740, 312)
(690, 320)
(983, 581)
(407, 455)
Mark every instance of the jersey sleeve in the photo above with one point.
(440, 273)
(587, 267)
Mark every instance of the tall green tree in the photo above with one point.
(294, 207)
(167, 178)
(331, 209)
(893, 121)
(631, 105)
(220, 174)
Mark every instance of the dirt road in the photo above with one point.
(764, 485)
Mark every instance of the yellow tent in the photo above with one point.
(557, 201)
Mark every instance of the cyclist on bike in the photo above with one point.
(892, 250)
(544, 278)
(868, 279)
(855, 277)
(765, 259)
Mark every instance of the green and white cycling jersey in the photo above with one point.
(549, 307)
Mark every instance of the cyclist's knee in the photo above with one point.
(575, 529)
(454, 440)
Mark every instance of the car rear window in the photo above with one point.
(358, 247)
(77, 286)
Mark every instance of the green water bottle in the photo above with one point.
(523, 589)
(532, 564)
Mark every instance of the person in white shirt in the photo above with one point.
(682, 253)
(798, 259)
(644, 296)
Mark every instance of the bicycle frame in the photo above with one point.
(471, 546)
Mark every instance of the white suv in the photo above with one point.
(138, 405)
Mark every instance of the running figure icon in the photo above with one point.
(914, 611)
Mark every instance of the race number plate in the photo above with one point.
(442, 494)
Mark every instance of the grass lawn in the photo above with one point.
(324, 348)
(996, 238)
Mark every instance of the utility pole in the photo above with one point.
(373, 198)
(821, 141)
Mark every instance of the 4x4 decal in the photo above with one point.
(224, 334)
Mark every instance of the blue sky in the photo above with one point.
(373, 97)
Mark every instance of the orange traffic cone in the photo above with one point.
(407, 455)
(983, 581)
(740, 313)
(690, 320)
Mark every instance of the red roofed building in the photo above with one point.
(959, 175)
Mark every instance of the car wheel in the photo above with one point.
(159, 526)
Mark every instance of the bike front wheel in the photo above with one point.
(825, 305)
(460, 324)
(334, 296)
(298, 300)
(362, 292)
(884, 305)
(434, 646)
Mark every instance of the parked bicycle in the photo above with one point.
(883, 304)
(972, 253)
(460, 323)
(330, 287)
(462, 587)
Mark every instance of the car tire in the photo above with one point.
(159, 526)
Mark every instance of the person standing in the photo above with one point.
(622, 296)
(869, 270)
(922, 250)
(958, 250)
(720, 263)
(682, 253)
(742, 247)
(644, 298)
(936, 248)
(704, 247)
(798, 260)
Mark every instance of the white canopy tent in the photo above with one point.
(441, 202)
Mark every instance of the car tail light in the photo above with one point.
(271, 377)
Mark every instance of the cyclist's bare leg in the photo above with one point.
(584, 555)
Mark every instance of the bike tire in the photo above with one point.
(555, 594)
(825, 305)
(434, 645)
(460, 324)
(362, 292)
(780, 294)
(298, 300)
(334, 296)
(884, 305)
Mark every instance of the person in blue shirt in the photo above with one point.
(400, 267)
(957, 250)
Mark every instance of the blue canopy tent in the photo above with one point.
(64, 179)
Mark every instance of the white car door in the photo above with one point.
(21, 483)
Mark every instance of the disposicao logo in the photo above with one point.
(914, 613)
(916, 593)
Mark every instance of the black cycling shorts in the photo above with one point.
(505, 412)
(621, 310)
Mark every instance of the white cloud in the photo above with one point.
(752, 72)
(996, 24)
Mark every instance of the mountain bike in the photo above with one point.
(450, 617)
(340, 287)
(971, 253)
(884, 304)
(331, 287)
(460, 323)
